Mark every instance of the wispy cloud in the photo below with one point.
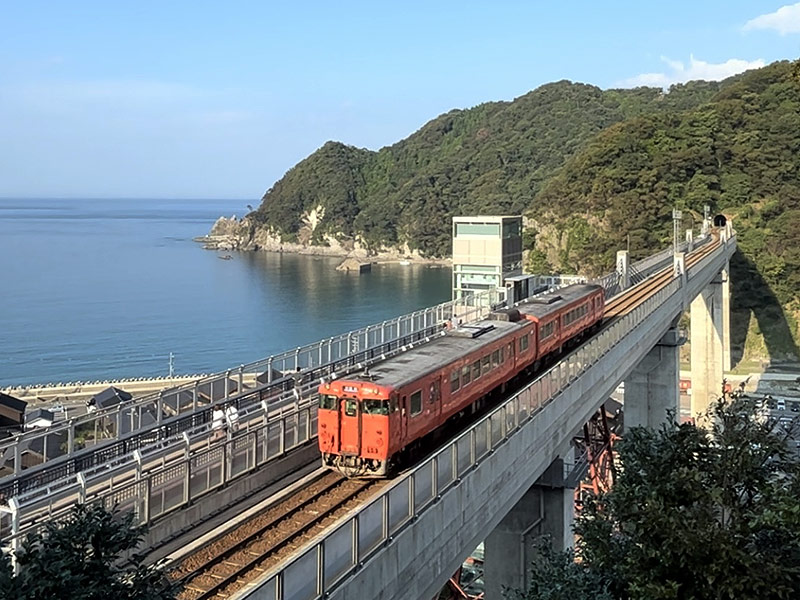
(784, 20)
(679, 72)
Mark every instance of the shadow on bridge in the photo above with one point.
(751, 295)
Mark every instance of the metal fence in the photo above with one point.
(112, 435)
(155, 470)
(164, 478)
(150, 412)
(177, 466)
(322, 564)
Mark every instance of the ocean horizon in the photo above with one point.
(98, 288)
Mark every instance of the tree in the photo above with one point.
(556, 576)
(693, 514)
(84, 558)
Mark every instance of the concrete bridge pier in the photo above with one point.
(545, 509)
(710, 335)
(652, 388)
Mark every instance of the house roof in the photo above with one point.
(13, 403)
(39, 413)
(109, 397)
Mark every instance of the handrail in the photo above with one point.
(173, 462)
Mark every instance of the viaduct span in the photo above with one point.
(503, 481)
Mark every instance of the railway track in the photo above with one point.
(231, 561)
(622, 305)
(227, 564)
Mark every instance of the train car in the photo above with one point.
(564, 315)
(369, 422)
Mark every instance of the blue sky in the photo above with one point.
(218, 100)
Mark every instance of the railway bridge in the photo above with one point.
(503, 480)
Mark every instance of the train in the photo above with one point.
(373, 422)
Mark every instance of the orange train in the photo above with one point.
(370, 422)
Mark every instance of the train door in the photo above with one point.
(349, 426)
(435, 396)
(403, 419)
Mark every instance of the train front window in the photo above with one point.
(350, 407)
(328, 402)
(375, 407)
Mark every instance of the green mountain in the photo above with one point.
(493, 158)
(593, 169)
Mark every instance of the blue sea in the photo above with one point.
(97, 289)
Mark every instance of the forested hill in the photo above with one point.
(589, 166)
(493, 158)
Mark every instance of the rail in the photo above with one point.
(66, 439)
(325, 562)
(111, 480)
(173, 472)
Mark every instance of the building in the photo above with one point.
(40, 417)
(12, 411)
(111, 396)
(486, 251)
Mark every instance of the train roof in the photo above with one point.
(439, 352)
(546, 304)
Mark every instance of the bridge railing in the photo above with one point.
(69, 437)
(323, 563)
(170, 474)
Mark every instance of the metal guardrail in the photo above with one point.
(162, 465)
(159, 470)
(148, 412)
(162, 480)
(48, 500)
(642, 269)
(323, 563)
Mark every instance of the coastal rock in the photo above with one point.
(232, 233)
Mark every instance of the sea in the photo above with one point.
(95, 289)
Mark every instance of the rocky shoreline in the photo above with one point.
(242, 235)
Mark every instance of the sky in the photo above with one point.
(153, 99)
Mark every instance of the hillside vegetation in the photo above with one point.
(592, 169)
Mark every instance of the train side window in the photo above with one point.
(495, 358)
(476, 369)
(502, 356)
(523, 343)
(350, 407)
(465, 375)
(486, 364)
(455, 381)
(416, 403)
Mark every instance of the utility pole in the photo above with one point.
(171, 365)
